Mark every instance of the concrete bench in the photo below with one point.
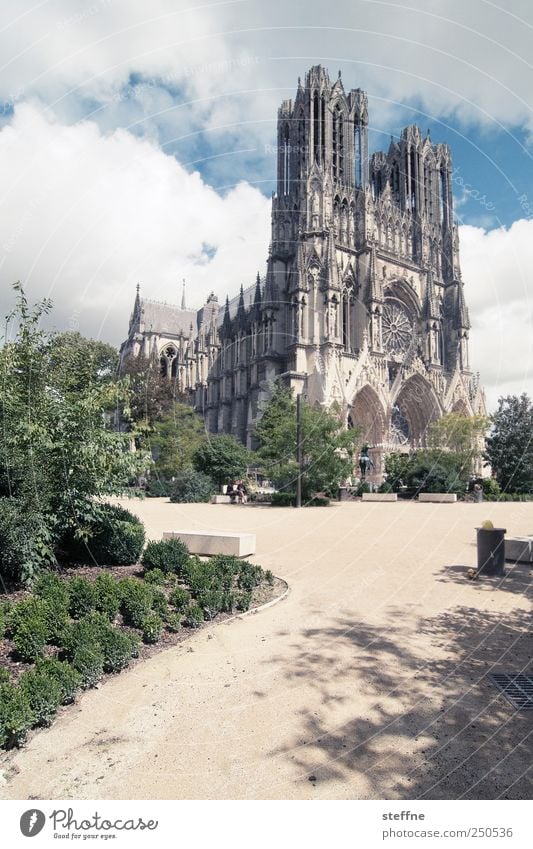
(380, 496)
(437, 497)
(519, 549)
(208, 543)
(220, 499)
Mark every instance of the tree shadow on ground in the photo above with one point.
(517, 578)
(427, 721)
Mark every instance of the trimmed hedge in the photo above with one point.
(167, 555)
(191, 487)
(16, 716)
(115, 538)
(82, 597)
(43, 694)
(283, 499)
(152, 627)
(136, 601)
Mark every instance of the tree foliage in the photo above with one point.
(328, 448)
(460, 435)
(175, 438)
(58, 448)
(153, 396)
(509, 447)
(222, 458)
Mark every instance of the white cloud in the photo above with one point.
(84, 216)
(498, 272)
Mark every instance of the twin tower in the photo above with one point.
(362, 303)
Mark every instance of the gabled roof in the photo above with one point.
(166, 319)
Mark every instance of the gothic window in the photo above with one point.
(316, 128)
(168, 361)
(358, 156)
(338, 144)
(399, 426)
(443, 200)
(397, 329)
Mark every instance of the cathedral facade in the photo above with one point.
(362, 303)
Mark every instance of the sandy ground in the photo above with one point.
(367, 681)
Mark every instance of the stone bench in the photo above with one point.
(519, 549)
(380, 496)
(437, 497)
(208, 543)
(220, 499)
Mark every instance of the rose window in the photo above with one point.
(396, 327)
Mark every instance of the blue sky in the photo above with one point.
(135, 145)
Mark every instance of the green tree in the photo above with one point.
(59, 450)
(462, 436)
(328, 448)
(175, 438)
(223, 458)
(509, 447)
(152, 395)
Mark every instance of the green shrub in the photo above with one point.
(114, 538)
(269, 578)
(155, 577)
(318, 501)
(168, 555)
(386, 487)
(173, 621)
(136, 601)
(211, 602)
(250, 576)
(107, 595)
(2, 624)
(243, 600)
(158, 489)
(82, 597)
(194, 616)
(159, 602)
(52, 589)
(363, 487)
(44, 695)
(16, 716)
(226, 568)
(152, 627)
(68, 679)
(191, 487)
(28, 625)
(118, 649)
(26, 541)
(180, 599)
(283, 499)
(87, 631)
(201, 577)
(4, 675)
(88, 661)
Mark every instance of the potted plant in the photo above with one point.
(490, 549)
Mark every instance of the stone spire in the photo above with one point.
(183, 304)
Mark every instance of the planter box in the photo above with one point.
(208, 543)
(519, 549)
(220, 499)
(380, 496)
(437, 497)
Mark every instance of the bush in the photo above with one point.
(249, 577)
(159, 489)
(243, 600)
(211, 602)
(180, 599)
(43, 693)
(194, 616)
(152, 627)
(168, 555)
(16, 716)
(26, 541)
(115, 538)
(269, 578)
(87, 631)
(201, 576)
(226, 567)
(107, 595)
(386, 487)
(491, 489)
(28, 625)
(67, 678)
(173, 621)
(54, 592)
(159, 602)
(155, 577)
(118, 649)
(362, 487)
(82, 597)
(222, 457)
(190, 487)
(318, 501)
(283, 499)
(136, 601)
(88, 661)
(4, 675)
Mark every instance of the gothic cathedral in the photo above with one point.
(362, 303)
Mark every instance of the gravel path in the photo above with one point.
(366, 681)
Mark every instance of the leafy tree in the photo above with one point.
(460, 435)
(152, 395)
(75, 362)
(327, 446)
(510, 444)
(175, 438)
(58, 449)
(222, 458)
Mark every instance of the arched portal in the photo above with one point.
(367, 413)
(415, 407)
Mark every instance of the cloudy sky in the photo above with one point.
(136, 145)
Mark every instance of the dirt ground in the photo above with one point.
(369, 680)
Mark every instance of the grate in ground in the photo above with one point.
(517, 689)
